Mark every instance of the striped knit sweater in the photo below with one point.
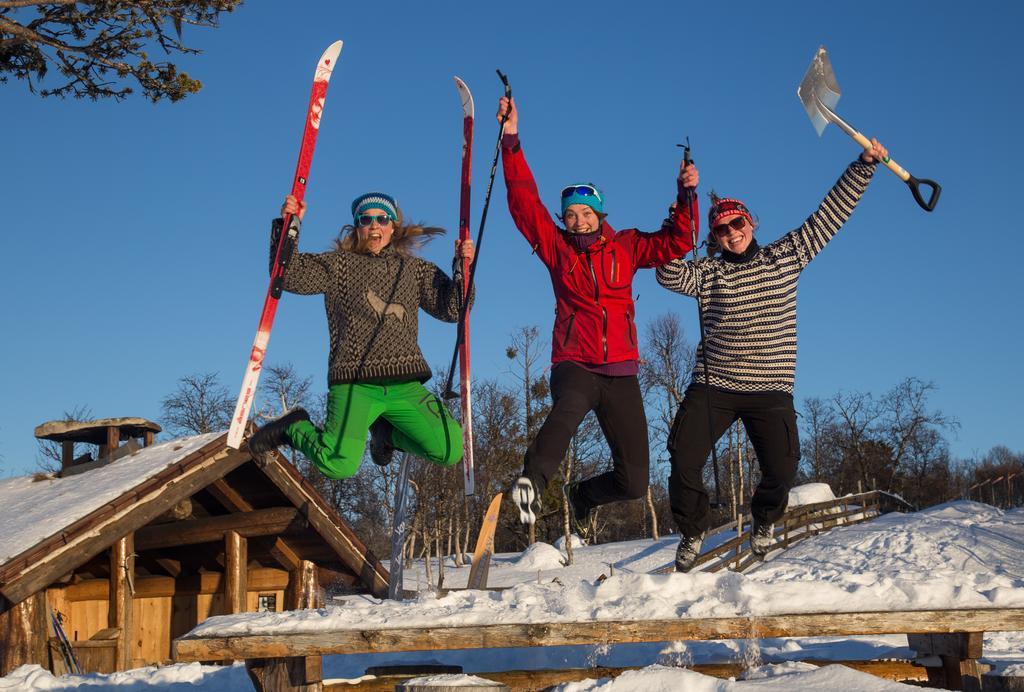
(750, 303)
(373, 304)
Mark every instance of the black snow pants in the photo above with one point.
(619, 406)
(770, 421)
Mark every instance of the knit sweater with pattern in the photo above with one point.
(372, 304)
(749, 300)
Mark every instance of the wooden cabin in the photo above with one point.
(126, 552)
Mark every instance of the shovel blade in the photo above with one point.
(819, 88)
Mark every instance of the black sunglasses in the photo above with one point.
(737, 224)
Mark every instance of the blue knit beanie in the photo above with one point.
(577, 194)
(375, 200)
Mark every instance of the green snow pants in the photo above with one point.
(422, 425)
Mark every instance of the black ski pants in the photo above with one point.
(575, 391)
(770, 421)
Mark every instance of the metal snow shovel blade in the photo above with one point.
(819, 92)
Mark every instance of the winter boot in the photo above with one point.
(579, 512)
(524, 496)
(382, 451)
(275, 433)
(688, 552)
(761, 537)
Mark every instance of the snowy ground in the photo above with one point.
(958, 555)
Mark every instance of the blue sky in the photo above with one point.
(135, 244)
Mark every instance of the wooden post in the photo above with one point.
(122, 587)
(237, 559)
(298, 674)
(304, 587)
(67, 454)
(148, 437)
(113, 438)
(959, 653)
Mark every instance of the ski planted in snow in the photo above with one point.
(484, 546)
(465, 383)
(285, 244)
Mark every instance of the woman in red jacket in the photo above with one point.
(594, 344)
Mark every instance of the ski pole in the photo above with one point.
(687, 161)
(449, 393)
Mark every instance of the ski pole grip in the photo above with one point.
(504, 80)
(915, 187)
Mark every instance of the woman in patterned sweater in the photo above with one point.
(748, 295)
(373, 287)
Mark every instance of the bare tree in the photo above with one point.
(199, 405)
(665, 367)
(96, 46)
(525, 352)
(50, 455)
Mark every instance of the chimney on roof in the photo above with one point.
(107, 433)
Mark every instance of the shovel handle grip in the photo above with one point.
(913, 183)
(915, 188)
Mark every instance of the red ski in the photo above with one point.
(289, 236)
(465, 384)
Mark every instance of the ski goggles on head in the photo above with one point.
(582, 190)
(582, 193)
(737, 223)
(366, 220)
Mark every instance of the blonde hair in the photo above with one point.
(406, 239)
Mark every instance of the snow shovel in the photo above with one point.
(819, 92)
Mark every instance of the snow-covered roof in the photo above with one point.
(33, 510)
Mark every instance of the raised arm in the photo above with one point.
(441, 297)
(307, 273)
(822, 225)
(528, 213)
(675, 238)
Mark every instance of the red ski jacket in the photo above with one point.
(594, 312)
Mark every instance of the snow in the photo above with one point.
(956, 555)
(790, 676)
(809, 494)
(33, 510)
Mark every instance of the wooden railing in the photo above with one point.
(948, 641)
(1005, 491)
(795, 525)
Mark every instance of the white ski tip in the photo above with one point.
(466, 96)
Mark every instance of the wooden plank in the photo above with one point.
(235, 586)
(40, 566)
(262, 522)
(327, 523)
(230, 498)
(190, 648)
(260, 578)
(537, 680)
(121, 597)
(284, 555)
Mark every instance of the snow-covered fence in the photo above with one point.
(291, 660)
(795, 525)
(1005, 491)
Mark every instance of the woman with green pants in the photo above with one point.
(373, 286)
